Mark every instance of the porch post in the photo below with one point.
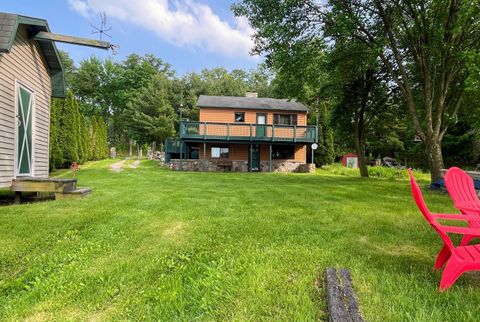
(250, 161)
(312, 155)
(205, 167)
(181, 155)
(270, 159)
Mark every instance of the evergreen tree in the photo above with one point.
(78, 137)
(87, 139)
(56, 153)
(67, 141)
(326, 151)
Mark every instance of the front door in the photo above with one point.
(24, 131)
(261, 121)
(254, 157)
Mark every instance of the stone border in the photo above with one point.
(240, 166)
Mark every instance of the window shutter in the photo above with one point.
(294, 119)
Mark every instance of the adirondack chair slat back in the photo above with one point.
(460, 186)
(420, 201)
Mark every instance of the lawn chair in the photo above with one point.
(461, 189)
(458, 259)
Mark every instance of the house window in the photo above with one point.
(239, 117)
(219, 152)
(285, 119)
(283, 152)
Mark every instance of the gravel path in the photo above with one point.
(117, 167)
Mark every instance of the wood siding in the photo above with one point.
(26, 64)
(239, 152)
(226, 115)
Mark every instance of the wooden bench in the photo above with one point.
(225, 165)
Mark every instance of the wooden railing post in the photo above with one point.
(228, 131)
(294, 133)
(273, 132)
(250, 131)
(204, 130)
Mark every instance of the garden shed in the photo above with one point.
(30, 74)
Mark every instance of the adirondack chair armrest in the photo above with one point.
(461, 230)
(456, 217)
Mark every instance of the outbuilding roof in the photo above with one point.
(8, 29)
(254, 103)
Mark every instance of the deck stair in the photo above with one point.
(62, 188)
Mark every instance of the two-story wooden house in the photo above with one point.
(246, 134)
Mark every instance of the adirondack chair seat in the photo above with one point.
(456, 260)
(469, 253)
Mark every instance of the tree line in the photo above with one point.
(74, 137)
(339, 59)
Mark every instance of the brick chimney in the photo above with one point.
(251, 94)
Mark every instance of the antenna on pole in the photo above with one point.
(103, 29)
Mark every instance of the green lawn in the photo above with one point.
(150, 244)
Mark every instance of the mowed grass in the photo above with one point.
(150, 244)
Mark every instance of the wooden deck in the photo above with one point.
(61, 188)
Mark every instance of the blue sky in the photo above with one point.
(189, 34)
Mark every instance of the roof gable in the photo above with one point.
(8, 29)
(254, 103)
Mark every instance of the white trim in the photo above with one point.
(19, 84)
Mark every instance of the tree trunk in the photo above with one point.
(139, 149)
(359, 118)
(435, 159)
(130, 153)
(362, 160)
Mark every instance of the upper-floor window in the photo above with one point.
(285, 119)
(239, 117)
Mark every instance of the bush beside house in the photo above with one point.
(73, 137)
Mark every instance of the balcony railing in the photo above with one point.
(248, 132)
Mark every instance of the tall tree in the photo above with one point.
(149, 115)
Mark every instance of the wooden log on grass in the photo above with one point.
(342, 302)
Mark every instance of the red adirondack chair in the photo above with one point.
(458, 259)
(462, 191)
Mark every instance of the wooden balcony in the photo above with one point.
(247, 132)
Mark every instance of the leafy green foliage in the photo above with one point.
(149, 115)
(74, 138)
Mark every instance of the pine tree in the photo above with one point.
(325, 153)
(68, 140)
(78, 137)
(55, 151)
(87, 139)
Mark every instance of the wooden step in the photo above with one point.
(73, 194)
(43, 184)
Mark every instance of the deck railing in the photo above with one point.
(248, 132)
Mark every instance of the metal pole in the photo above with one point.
(270, 159)
(312, 155)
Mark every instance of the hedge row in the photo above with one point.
(73, 137)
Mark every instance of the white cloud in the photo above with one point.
(184, 23)
(79, 6)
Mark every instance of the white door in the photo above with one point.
(24, 131)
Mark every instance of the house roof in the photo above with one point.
(254, 103)
(8, 29)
